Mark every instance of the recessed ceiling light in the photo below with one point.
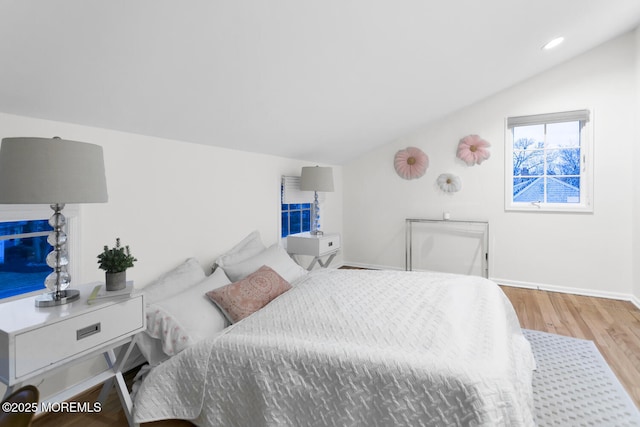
(553, 43)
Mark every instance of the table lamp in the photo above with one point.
(52, 171)
(316, 178)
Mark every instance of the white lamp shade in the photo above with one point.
(316, 178)
(51, 170)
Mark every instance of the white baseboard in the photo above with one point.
(371, 266)
(529, 285)
(569, 290)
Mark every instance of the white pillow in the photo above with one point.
(172, 282)
(245, 249)
(275, 257)
(187, 317)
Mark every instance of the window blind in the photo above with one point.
(565, 116)
(291, 192)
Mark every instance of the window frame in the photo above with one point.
(585, 117)
(71, 212)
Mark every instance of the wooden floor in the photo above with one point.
(613, 325)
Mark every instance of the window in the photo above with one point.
(23, 254)
(296, 208)
(23, 248)
(548, 164)
(296, 218)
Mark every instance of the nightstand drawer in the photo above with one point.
(328, 244)
(305, 244)
(38, 348)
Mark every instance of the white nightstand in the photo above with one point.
(38, 340)
(315, 246)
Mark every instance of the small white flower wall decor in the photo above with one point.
(449, 183)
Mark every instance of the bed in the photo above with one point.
(350, 348)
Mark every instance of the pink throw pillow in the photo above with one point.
(240, 299)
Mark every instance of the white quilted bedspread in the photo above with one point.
(357, 348)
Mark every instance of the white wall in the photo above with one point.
(171, 200)
(636, 179)
(577, 252)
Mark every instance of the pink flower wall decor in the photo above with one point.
(473, 150)
(411, 163)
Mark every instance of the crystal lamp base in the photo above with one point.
(51, 299)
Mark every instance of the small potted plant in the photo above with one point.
(115, 261)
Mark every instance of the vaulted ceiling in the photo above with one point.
(322, 81)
